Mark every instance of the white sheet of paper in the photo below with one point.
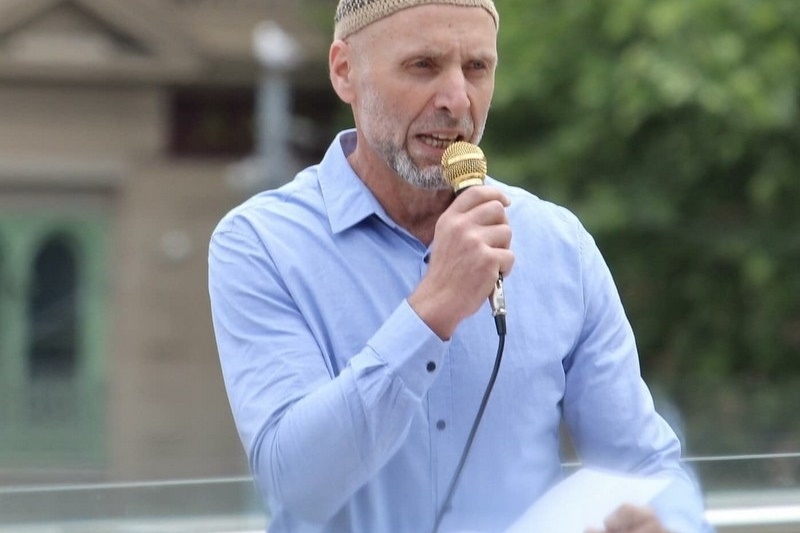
(585, 499)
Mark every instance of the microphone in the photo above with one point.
(465, 166)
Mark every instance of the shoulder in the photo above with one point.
(297, 203)
(529, 213)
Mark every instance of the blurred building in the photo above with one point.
(123, 128)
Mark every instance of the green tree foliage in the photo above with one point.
(671, 127)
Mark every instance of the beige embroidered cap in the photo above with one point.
(352, 15)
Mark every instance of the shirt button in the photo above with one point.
(427, 258)
(440, 425)
(431, 366)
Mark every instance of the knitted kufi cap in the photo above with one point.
(352, 15)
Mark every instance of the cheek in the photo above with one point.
(480, 114)
(484, 97)
(483, 102)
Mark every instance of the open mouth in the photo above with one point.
(440, 141)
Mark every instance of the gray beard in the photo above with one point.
(397, 158)
(430, 178)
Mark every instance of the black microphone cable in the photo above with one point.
(500, 325)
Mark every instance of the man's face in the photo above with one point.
(425, 80)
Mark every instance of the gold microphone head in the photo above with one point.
(464, 165)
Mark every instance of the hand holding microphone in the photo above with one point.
(465, 166)
(470, 250)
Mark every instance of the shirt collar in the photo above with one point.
(346, 198)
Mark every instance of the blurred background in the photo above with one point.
(129, 127)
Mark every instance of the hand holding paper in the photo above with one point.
(631, 519)
(584, 500)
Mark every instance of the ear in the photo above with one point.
(340, 65)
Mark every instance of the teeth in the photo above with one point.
(438, 141)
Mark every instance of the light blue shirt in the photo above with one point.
(354, 413)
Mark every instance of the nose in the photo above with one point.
(452, 94)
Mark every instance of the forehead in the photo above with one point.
(436, 25)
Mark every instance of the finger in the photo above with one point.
(506, 263)
(495, 236)
(632, 519)
(488, 214)
(499, 264)
(473, 196)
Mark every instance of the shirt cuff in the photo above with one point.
(410, 348)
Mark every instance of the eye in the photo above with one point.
(478, 65)
(423, 63)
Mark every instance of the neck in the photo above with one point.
(414, 209)
(417, 210)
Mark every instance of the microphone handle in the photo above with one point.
(497, 298)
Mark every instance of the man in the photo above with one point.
(350, 308)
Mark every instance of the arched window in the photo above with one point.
(52, 339)
(52, 348)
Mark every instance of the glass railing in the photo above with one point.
(756, 494)
(186, 506)
(751, 493)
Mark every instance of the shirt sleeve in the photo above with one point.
(312, 438)
(609, 410)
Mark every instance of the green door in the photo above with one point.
(53, 298)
